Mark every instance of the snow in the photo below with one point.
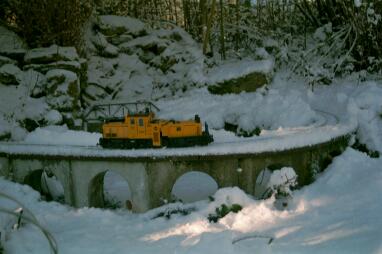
(328, 216)
(16, 105)
(53, 117)
(53, 135)
(285, 178)
(267, 109)
(130, 25)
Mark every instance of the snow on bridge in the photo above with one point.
(56, 144)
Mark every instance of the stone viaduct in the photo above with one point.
(151, 178)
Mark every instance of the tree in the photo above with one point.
(44, 22)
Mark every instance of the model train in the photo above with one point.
(140, 129)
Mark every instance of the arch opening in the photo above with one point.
(47, 184)
(110, 190)
(194, 186)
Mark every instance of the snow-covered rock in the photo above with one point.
(74, 66)
(10, 74)
(116, 25)
(53, 53)
(11, 45)
(245, 76)
(6, 60)
(145, 65)
(103, 47)
(53, 117)
(63, 90)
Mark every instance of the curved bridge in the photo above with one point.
(151, 173)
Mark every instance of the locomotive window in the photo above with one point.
(132, 121)
(178, 128)
(140, 121)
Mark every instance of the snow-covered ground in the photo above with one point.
(338, 213)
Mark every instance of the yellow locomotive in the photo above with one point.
(140, 129)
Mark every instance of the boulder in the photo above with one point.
(149, 43)
(51, 54)
(252, 75)
(117, 40)
(103, 47)
(11, 45)
(248, 83)
(63, 90)
(111, 25)
(10, 74)
(7, 60)
(73, 66)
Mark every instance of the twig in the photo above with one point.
(253, 236)
(31, 219)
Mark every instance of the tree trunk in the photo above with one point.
(206, 39)
(222, 31)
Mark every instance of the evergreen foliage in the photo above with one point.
(222, 211)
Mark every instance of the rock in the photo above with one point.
(73, 66)
(271, 45)
(248, 83)
(9, 74)
(52, 54)
(11, 45)
(111, 25)
(62, 81)
(252, 75)
(63, 90)
(53, 117)
(6, 60)
(117, 40)
(103, 47)
(146, 43)
(164, 63)
(93, 92)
